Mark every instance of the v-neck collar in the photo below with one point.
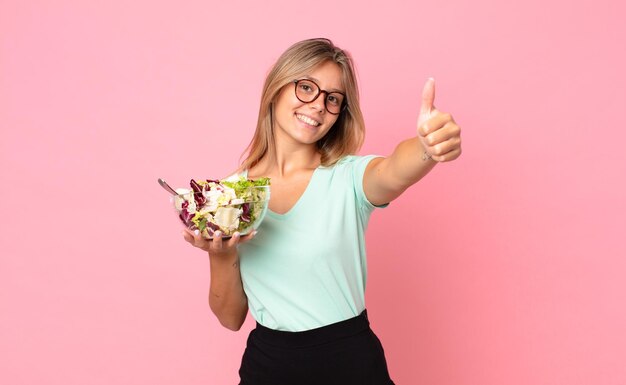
(293, 208)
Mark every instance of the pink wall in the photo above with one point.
(504, 267)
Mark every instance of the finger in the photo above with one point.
(248, 237)
(199, 240)
(445, 147)
(428, 97)
(191, 236)
(217, 239)
(232, 242)
(443, 133)
(452, 155)
(188, 236)
(437, 121)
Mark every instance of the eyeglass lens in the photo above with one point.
(307, 91)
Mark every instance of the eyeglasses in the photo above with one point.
(307, 91)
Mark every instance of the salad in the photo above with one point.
(227, 205)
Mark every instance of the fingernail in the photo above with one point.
(197, 232)
(236, 234)
(217, 234)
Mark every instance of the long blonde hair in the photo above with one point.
(347, 134)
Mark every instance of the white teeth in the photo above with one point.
(307, 120)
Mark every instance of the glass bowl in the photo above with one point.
(219, 209)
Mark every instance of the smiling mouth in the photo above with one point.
(307, 120)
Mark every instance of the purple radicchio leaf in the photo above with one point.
(212, 226)
(186, 217)
(197, 193)
(245, 215)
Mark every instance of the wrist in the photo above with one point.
(224, 259)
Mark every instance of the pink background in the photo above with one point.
(504, 267)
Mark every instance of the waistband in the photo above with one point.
(317, 336)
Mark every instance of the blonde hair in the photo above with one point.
(347, 134)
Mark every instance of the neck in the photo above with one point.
(288, 160)
(291, 161)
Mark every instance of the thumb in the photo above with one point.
(428, 97)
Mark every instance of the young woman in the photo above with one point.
(303, 275)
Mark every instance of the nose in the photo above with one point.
(320, 101)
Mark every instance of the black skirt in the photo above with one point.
(343, 353)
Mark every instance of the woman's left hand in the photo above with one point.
(438, 132)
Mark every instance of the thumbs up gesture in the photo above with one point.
(438, 132)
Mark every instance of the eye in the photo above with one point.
(334, 99)
(306, 87)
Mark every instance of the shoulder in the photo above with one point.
(351, 168)
(358, 162)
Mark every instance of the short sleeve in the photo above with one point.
(359, 164)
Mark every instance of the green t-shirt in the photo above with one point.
(307, 268)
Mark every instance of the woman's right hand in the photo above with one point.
(227, 298)
(217, 246)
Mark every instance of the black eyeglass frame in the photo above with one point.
(344, 103)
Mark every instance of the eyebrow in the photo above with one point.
(318, 81)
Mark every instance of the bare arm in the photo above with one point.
(227, 299)
(438, 140)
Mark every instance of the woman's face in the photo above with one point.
(306, 123)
